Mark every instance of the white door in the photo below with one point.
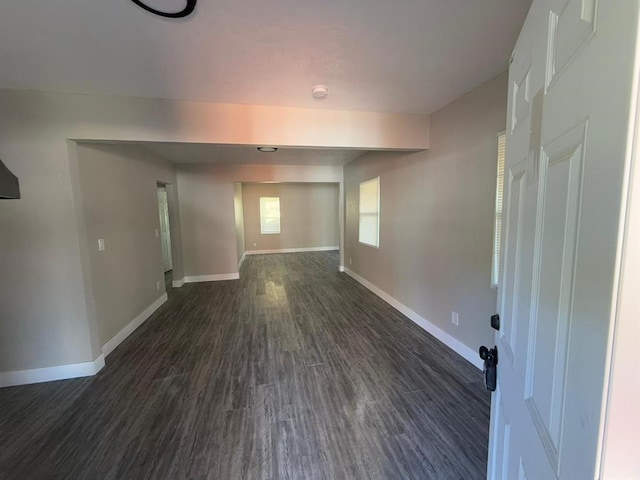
(165, 235)
(570, 91)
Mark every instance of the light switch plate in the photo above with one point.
(101, 245)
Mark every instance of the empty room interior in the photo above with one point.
(319, 240)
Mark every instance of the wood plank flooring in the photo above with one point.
(293, 372)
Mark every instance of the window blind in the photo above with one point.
(497, 232)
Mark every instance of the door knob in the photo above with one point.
(490, 357)
(489, 354)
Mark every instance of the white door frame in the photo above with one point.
(620, 458)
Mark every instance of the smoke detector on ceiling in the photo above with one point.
(320, 91)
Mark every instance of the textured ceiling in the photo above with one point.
(376, 55)
(249, 155)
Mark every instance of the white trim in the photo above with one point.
(75, 370)
(212, 278)
(244, 255)
(616, 456)
(50, 374)
(128, 329)
(451, 342)
(291, 250)
(177, 283)
(341, 268)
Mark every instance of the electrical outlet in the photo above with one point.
(455, 318)
(156, 233)
(254, 244)
(157, 285)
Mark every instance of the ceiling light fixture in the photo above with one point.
(268, 149)
(320, 91)
(185, 12)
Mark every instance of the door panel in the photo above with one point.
(554, 263)
(571, 24)
(521, 473)
(521, 103)
(503, 440)
(511, 265)
(570, 90)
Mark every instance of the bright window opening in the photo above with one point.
(369, 232)
(269, 215)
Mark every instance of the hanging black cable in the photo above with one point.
(188, 9)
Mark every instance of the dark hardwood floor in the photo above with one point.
(293, 372)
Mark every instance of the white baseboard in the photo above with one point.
(49, 374)
(451, 342)
(244, 255)
(75, 370)
(120, 337)
(341, 268)
(291, 250)
(212, 278)
(177, 283)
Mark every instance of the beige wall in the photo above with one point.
(44, 317)
(437, 217)
(308, 215)
(47, 314)
(208, 223)
(207, 213)
(118, 185)
(239, 217)
(98, 117)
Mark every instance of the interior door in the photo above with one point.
(570, 91)
(165, 235)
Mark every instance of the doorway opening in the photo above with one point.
(165, 235)
(274, 217)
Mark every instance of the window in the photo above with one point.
(369, 233)
(497, 224)
(269, 215)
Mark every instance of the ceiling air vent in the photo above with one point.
(9, 186)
